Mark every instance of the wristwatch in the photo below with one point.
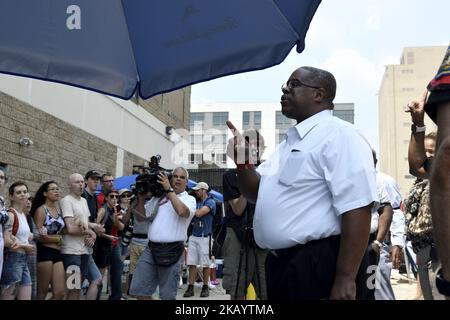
(442, 285)
(416, 129)
(169, 190)
(377, 243)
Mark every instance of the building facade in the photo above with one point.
(209, 134)
(401, 84)
(74, 130)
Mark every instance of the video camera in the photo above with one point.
(148, 179)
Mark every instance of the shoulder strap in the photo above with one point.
(15, 227)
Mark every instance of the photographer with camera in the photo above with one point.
(170, 213)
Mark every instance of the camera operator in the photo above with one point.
(170, 217)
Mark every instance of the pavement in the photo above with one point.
(404, 289)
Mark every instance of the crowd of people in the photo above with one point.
(316, 220)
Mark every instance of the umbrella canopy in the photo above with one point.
(128, 181)
(118, 47)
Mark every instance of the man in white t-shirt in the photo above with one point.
(172, 214)
(79, 238)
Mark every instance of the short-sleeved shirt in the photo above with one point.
(322, 170)
(92, 204)
(101, 200)
(203, 225)
(76, 208)
(230, 192)
(168, 226)
(439, 87)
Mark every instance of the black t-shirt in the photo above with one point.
(92, 204)
(230, 192)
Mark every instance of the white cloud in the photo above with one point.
(374, 18)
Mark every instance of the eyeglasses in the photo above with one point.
(295, 83)
(108, 180)
(114, 196)
(179, 177)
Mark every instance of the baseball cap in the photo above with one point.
(201, 185)
(92, 174)
(107, 193)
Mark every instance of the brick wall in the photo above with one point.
(129, 160)
(59, 148)
(172, 108)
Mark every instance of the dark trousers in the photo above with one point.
(307, 272)
(116, 270)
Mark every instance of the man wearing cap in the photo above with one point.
(91, 178)
(199, 250)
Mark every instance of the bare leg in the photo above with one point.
(205, 276)
(24, 293)
(45, 271)
(58, 278)
(9, 293)
(440, 189)
(192, 274)
(94, 286)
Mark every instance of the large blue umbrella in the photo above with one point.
(152, 46)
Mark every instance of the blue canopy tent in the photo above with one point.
(128, 181)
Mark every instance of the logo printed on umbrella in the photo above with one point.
(73, 22)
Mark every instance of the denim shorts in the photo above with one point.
(15, 270)
(81, 261)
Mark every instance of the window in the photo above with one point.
(282, 120)
(251, 119)
(407, 71)
(246, 118)
(346, 115)
(197, 118)
(196, 139)
(410, 58)
(220, 139)
(257, 118)
(409, 177)
(195, 158)
(280, 137)
(220, 118)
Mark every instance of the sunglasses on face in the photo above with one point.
(126, 196)
(114, 196)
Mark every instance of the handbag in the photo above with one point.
(166, 254)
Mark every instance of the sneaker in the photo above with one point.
(189, 292)
(205, 292)
(215, 282)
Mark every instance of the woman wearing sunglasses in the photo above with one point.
(107, 252)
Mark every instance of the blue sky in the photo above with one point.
(352, 39)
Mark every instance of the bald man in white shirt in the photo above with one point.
(313, 196)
